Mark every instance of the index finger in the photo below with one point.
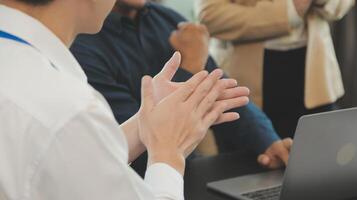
(284, 155)
(205, 88)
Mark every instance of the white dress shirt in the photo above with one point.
(58, 137)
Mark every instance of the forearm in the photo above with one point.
(131, 132)
(252, 130)
(236, 22)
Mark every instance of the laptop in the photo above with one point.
(322, 164)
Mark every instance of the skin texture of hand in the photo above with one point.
(277, 155)
(302, 6)
(172, 128)
(192, 41)
(231, 95)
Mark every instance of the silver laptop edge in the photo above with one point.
(322, 164)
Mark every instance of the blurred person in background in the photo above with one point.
(137, 38)
(282, 50)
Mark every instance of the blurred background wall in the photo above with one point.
(345, 38)
(185, 7)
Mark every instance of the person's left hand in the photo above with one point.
(232, 96)
(277, 155)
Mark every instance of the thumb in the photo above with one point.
(264, 160)
(284, 155)
(171, 67)
(147, 94)
(288, 143)
(182, 25)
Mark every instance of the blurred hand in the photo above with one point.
(230, 95)
(302, 6)
(192, 41)
(277, 155)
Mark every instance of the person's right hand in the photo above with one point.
(302, 6)
(172, 128)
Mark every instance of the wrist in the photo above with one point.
(131, 132)
(174, 159)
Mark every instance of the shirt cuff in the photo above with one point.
(165, 182)
(266, 140)
(294, 18)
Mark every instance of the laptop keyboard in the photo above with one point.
(267, 194)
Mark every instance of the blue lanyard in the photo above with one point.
(12, 37)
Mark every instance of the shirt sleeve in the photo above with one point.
(169, 186)
(294, 18)
(230, 20)
(253, 130)
(87, 159)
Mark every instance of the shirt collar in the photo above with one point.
(40, 37)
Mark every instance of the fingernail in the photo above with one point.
(235, 82)
(218, 72)
(237, 116)
(145, 80)
(205, 72)
(177, 53)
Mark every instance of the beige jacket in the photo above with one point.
(242, 27)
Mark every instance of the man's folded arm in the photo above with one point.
(230, 21)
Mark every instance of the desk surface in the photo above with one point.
(201, 171)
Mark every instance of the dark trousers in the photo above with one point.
(283, 90)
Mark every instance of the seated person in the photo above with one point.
(136, 40)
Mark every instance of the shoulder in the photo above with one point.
(93, 44)
(93, 52)
(28, 80)
(13, 52)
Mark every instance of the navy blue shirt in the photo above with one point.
(124, 51)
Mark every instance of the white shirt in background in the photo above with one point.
(58, 137)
